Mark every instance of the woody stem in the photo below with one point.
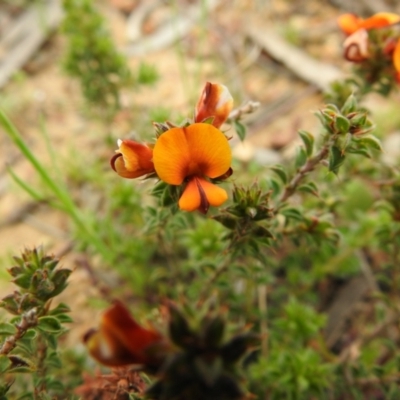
(309, 166)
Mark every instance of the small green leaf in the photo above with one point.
(350, 105)
(15, 271)
(360, 151)
(60, 309)
(301, 157)
(168, 196)
(51, 339)
(158, 189)
(20, 364)
(23, 280)
(336, 159)
(23, 370)
(27, 396)
(5, 363)
(49, 324)
(309, 187)
(261, 232)
(308, 140)
(7, 329)
(240, 130)
(370, 141)
(274, 185)
(278, 169)
(208, 120)
(64, 318)
(292, 213)
(53, 360)
(342, 124)
(59, 279)
(11, 303)
(226, 220)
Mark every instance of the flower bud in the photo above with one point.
(216, 102)
(120, 340)
(356, 46)
(132, 159)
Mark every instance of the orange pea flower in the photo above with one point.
(215, 101)
(133, 159)
(350, 23)
(356, 44)
(192, 155)
(396, 59)
(120, 340)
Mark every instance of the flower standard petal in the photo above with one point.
(171, 156)
(380, 20)
(349, 23)
(396, 60)
(198, 149)
(209, 149)
(396, 56)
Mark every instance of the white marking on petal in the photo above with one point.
(105, 349)
(224, 96)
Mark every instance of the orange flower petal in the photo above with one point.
(380, 20)
(199, 194)
(215, 101)
(190, 199)
(120, 340)
(349, 23)
(215, 195)
(133, 160)
(171, 156)
(396, 57)
(199, 149)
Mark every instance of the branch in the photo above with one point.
(28, 320)
(303, 171)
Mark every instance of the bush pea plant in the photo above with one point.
(234, 282)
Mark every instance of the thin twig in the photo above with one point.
(247, 108)
(262, 305)
(303, 171)
(374, 380)
(28, 320)
(367, 338)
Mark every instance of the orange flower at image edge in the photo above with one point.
(356, 44)
(350, 23)
(191, 155)
(120, 340)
